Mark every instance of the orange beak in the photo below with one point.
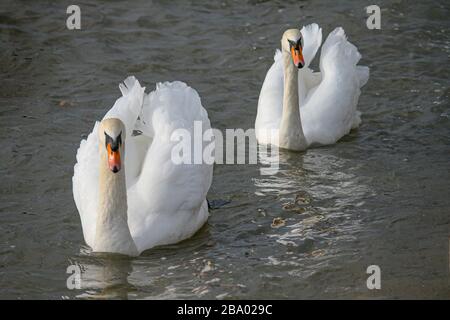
(297, 57)
(113, 159)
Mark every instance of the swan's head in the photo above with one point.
(292, 42)
(112, 138)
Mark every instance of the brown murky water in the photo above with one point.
(380, 196)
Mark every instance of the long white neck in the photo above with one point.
(112, 233)
(291, 133)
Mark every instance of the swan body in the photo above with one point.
(297, 107)
(129, 193)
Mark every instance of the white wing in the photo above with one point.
(312, 39)
(167, 204)
(270, 102)
(128, 107)
(85, 184)
(329, 111)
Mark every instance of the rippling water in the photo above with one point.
(380, 196)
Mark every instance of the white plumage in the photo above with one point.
(327, 99)
(166, 201)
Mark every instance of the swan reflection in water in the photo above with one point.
(318, 195)
(114, 276)
(103, 275)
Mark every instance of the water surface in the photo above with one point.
(380, 196)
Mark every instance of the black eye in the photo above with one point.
(292, 43)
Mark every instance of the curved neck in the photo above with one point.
(112, 233)
(291, 133)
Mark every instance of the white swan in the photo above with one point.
(297, 107)
(129, 193)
